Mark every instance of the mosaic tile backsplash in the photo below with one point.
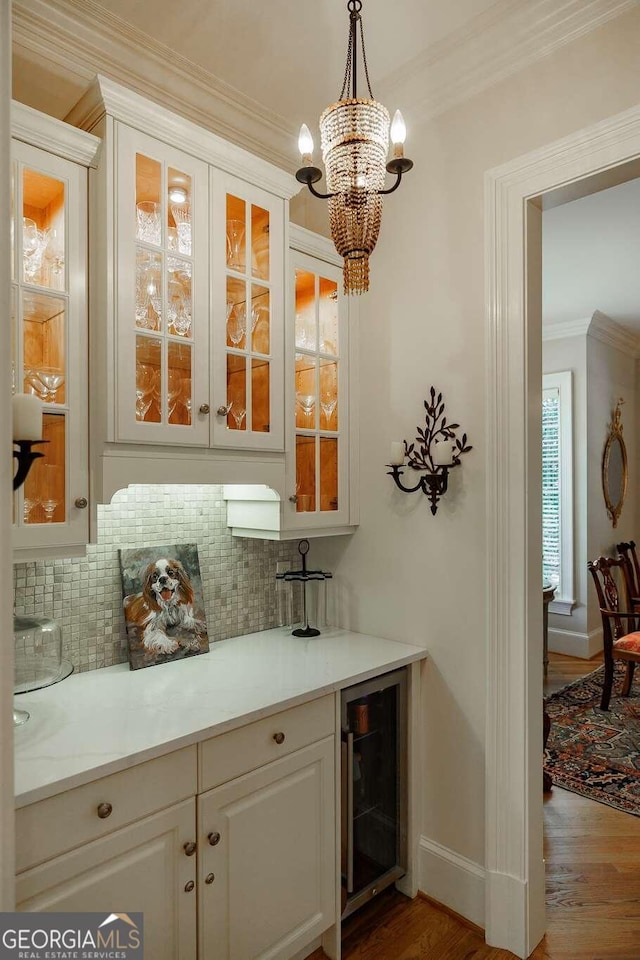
(84, 595)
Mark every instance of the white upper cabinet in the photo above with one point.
(187, 300)
(48, 336)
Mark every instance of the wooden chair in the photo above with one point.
(620, 628)
(627, 549)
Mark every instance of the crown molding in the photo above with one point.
(81, 38)
(497, 43)
(600, 327)
(39, 130)
(566, 328)
(606, 330)
(105, 96)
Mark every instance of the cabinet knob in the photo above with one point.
(81, 502)
(189, 885)
(223, 411)
(293, 499)
(210, 877)
(204, 408)
(189, 848)
(279, 737)
(214, 839)
(104, 810)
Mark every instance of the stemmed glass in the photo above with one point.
(34, 244)
(306, 402)
(238, 413)
(28, 506)
(179, 309)
(52, 380)
(49, 507)
(146, 378)
(235, 236)
(328, 403)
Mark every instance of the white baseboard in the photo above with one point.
(452, 880)
(573, 644)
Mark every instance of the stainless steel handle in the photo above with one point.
(293, 499)
(224, 411)
(214, 839)
(349, 813)
(279, 737)
(189, 885)
(104, 810)
(189, 848)
(204, 408)
(81, 503)
(210, 877)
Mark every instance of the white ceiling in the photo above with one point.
(591, 257)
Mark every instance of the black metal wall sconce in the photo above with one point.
(436, 450)
(26, 456)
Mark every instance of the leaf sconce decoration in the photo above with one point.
(419, 455)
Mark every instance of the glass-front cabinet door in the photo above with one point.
(162, 392)
(248, 315)
(49, 342)
(318, 402)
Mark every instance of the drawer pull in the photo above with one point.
(189, 885)
(214, 839)
(104, 810)
(279, 737)
(204, 408)
(210, 877)
(189, 848)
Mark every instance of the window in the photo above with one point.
(557, 489)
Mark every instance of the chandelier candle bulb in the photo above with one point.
(27, 417)
(398, 134)
(305, 144)
(397, 453)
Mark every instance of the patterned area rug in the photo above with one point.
(594, 752)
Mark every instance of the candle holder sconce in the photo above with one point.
(26, 456)
(435, 451)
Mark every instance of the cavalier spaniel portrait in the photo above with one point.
(162, 617)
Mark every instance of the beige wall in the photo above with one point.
(407, 574)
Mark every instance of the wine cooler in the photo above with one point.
(374, 787)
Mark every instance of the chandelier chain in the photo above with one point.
(354, 14)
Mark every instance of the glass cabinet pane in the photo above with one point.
(44, 339)
(236, 392)
(236, 230)
(317, 369)
(43, 230)
(148, 289)
(260, 319)
(179, 383)
(44, 499)
(260, 243)
(148, 379)
(260, 387)
(179, 212)
(179, 297)
(148, 205)
(305, 473)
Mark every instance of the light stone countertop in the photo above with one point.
(96, 723)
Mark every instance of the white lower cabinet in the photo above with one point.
(228, 849)
(267, 858)
(140, 868)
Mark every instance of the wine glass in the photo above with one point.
(328, 403)
(238, 413)
(146, 378)
(29, 504)
(34, 244)
(307, 402)
(235, 238)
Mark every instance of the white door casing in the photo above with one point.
(513, 824)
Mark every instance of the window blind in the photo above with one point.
(551, 510)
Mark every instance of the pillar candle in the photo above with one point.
(397, 452)
(27, 417)
(442, 453)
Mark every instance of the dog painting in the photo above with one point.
(163, 605)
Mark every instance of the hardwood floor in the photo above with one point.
(592, 855)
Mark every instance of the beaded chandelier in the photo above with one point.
(354, 135)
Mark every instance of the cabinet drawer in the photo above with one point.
(232, 754)
(50, 827)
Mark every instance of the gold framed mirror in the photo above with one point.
(615, 473)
